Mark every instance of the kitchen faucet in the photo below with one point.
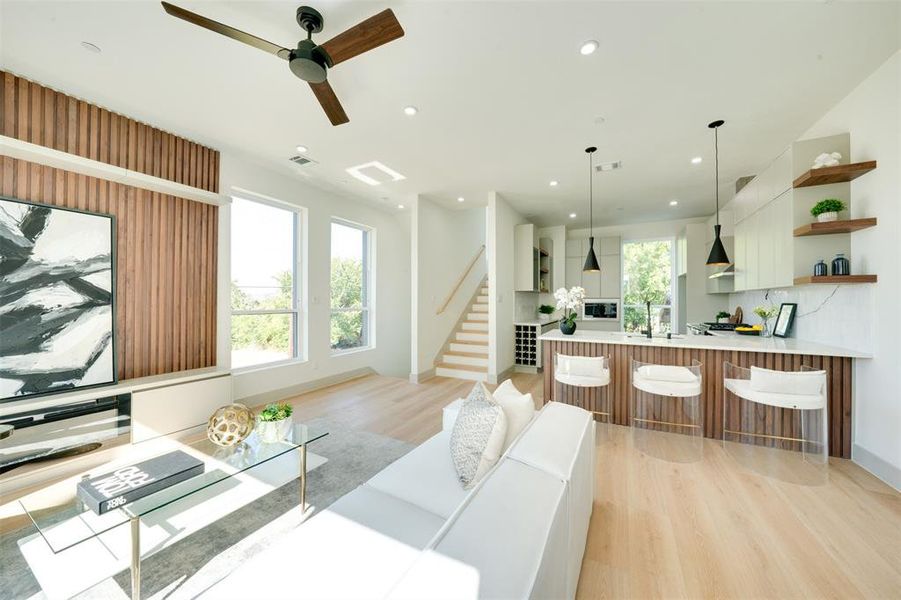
(649, 321)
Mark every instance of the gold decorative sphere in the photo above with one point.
(230, 425)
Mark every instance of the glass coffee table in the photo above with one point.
(229, 481)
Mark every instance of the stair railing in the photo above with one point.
(460, 281)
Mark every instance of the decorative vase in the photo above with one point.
(568, 327)
(766, 331)
(820, 269)
(841, 265)
(827, 217)
(273, 431)
(543, 318)
(230, 425)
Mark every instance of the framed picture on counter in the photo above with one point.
(785, 319)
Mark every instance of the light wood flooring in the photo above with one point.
(681, 518)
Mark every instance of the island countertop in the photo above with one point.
(728, 342)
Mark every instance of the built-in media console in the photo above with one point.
(62, 429)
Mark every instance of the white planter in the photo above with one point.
(543, 318)
(273, 431)
(827, 217)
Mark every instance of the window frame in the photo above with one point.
(673, 282)
(298, 311)
(367, 307)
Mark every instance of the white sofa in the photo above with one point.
(413, 532)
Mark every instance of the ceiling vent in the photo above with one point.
(301, 160)
(610, 166)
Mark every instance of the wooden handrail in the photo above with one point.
(461, 280)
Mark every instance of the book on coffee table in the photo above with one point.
(127, 484)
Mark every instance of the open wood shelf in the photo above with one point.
(846, 226)
(836, 174)
(835, 279)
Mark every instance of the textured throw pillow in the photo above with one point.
(518, 408)
(477, 439)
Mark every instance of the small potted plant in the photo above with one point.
(274, 422)
(827, 210)
(722, 315)
(544, 312)
(766, 313)
(569, 302)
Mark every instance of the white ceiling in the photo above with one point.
(506, 101)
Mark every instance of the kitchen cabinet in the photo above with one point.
(573, 271)
(526, 258)
(609, 245)
(740, 259)
(607, 283)
(574, 249)
(611, 276)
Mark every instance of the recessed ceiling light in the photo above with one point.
(460, 199)
(302, 149)
(674, 203)
(357, 172)
(588, 47)
(572, 215)
(400, 206)
(410, 111)
(696, 160)
(553, 183)
(91, 47)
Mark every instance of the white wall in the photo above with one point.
(866, 317)
(391, 355)
(501, 220)
(443, 245)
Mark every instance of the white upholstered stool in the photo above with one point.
(667, 398)
(583, 373)
(782, 409)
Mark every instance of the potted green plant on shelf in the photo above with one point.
(569, 302)
(827, 210)
(766, 313)
(274, 422)
(544, 312)
(722, 315)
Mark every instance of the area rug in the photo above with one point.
(192, 565)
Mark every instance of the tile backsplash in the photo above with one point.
(835, 315)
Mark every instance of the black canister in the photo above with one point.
(841, 265)
(820, 269)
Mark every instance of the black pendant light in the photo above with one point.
(591, 261)
(718, 256)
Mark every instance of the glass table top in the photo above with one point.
(63, 520)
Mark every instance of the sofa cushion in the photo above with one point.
(509, 542)
(357, 548)
(425, 477)
(519, 409)
(477, 440)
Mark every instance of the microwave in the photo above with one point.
(600, 309)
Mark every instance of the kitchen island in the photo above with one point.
(611, 404)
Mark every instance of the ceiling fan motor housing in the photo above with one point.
(309, 62)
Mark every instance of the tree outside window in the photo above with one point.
(648, 277)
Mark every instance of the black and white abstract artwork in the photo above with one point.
(56, 299)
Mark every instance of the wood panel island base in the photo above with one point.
(774, 426)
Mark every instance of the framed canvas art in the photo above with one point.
(57, 299)
(785, 319)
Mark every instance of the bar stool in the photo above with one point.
(781, 409)
(584, 372)
(667, 398)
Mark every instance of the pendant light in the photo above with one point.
(718, 256)
(591, 261)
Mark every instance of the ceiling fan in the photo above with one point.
(311, 61)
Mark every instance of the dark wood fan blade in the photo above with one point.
(364, 36)
(235, 34)
(330, 104)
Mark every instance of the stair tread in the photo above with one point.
(470, 343)
(466, 354)
(456, 367)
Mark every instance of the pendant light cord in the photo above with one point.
(716, 168)
(590, 199)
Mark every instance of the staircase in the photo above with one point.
(466, 354)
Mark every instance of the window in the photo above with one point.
(351, 282)
(648, 277)
(264, 290)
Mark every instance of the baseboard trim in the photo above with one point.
(303, 388)
(876, 465)
(424, 376)
(499, 377)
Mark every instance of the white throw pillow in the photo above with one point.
(477, 440)
(518, 408)
(805, 383)
(673, 374)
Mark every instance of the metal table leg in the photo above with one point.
(303, 479)
(135, 558)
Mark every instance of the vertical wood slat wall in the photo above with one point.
(770, 420)
(166, 247)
